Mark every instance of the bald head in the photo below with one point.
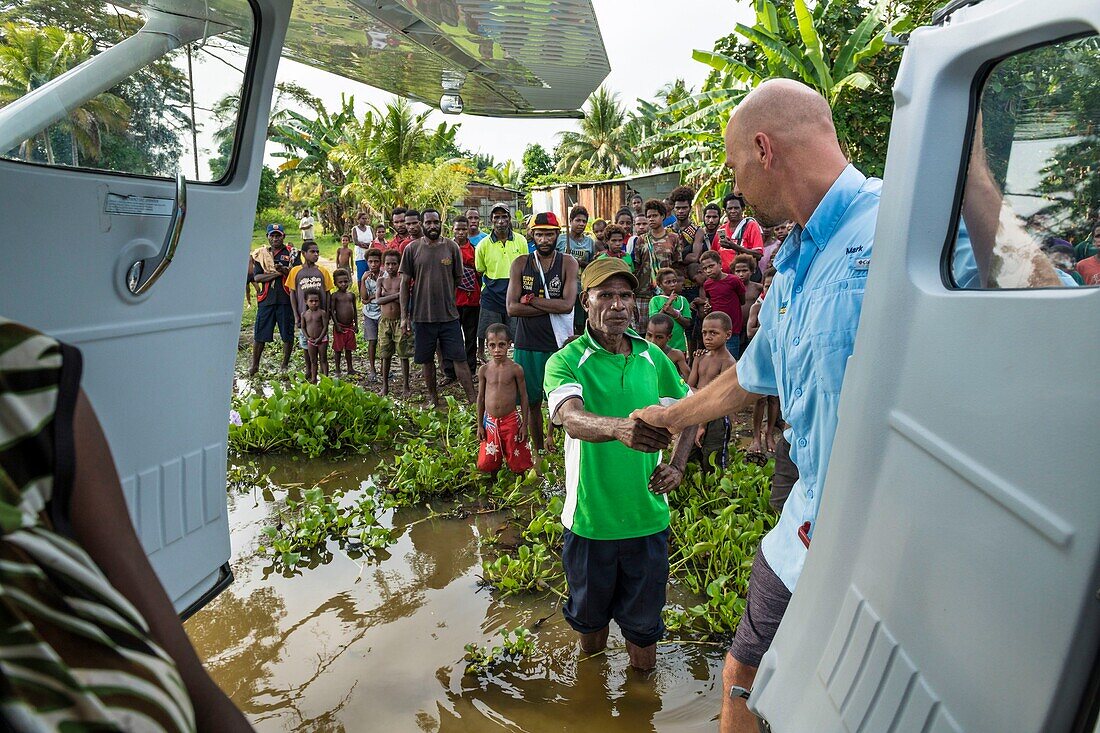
(783, 107)
(780, 136)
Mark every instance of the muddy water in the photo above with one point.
(376, 643)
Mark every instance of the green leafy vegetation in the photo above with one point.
(332, 416)
(309, 523)
(837, 48)
(717, 522)
(601, 146)
(246, 476)
(515, 644)
(531, 568)
(717, 518)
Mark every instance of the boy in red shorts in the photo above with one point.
(345, 319)
(501, 428)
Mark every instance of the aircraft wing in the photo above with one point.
(506, 58)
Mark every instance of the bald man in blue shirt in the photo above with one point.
(783, 149)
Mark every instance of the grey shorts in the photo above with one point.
(767, 602)
(486, 318)
(370, 328)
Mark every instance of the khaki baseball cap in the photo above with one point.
(603, 268)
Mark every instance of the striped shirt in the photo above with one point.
(75, 655)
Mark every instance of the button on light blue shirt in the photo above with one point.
(807, 330)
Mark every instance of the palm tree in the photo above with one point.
(400, 137)
(29, 58)
(308, 144)
(601, 147)
(379, 145)
(225, 112)
(647, 121)
(508, 175)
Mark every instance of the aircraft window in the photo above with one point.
(1032, 190)
(167, 111)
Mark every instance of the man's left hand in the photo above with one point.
(665, 478)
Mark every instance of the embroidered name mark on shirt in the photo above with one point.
(854, 250)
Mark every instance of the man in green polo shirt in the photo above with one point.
(616, 512)
(493, 260)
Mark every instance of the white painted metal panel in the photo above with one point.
(157, 368)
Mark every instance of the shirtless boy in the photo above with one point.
(343, 255)
(345, 319)
(710, 361)
(659, 331)
(391, 336)
(501, 428)
(315, 328)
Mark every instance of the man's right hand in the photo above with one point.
(642, 436)
(655, 417)
(405, 325)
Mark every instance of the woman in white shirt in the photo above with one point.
(362, 236)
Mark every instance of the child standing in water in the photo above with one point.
(345, 320)
(709, 362)
(315, 329)
(501, 428)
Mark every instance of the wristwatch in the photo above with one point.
(739, 692)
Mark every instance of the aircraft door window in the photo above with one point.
(164, 107)
(1029, 210)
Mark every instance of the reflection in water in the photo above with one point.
(354, 644)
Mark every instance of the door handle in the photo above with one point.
(137, 282)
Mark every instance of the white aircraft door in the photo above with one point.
(953, 581)
(158, 367)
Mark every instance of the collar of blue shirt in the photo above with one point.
(827, 215)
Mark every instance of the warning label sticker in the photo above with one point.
(124, 205)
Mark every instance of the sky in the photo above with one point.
(648, 44)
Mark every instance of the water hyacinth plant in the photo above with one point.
(310, 523)
(330, 416)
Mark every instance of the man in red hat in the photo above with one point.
(542, 288)
(270, 267)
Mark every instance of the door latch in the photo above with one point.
(143, 273)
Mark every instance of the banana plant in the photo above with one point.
(782, 44)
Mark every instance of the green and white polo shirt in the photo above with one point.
(607, 484)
